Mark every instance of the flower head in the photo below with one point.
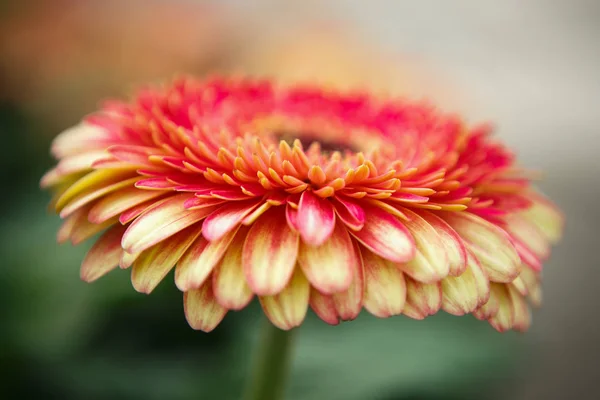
(301, 196)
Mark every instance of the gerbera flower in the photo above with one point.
(303, 197)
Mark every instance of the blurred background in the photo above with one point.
(530, 67)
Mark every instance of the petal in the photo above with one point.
(118, 202)
(104, 256)
(202, 311)
(315, 219)
(527, 234)
(127, 259)
(386, 236)
(88, 196)
(287, 309)
(534, 288)
(269, 254)
(330, 267)
(229, 282)
(422, 299)
(200, 260)
(84, 229)
(545, 216)
(154, 264)
(226, 218)
(504, 319)
(430, 263)
(385, 288)
(490, 244)
(80, 137)
(349, 213)
(95, 180)
(489, 309)
(522, 315)
(160, 221)
(291, 216)
(465, 293)
(456, 250)
(343, 306)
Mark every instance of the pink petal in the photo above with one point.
(288, 308)
(229, 282)
(104, 256)
(330, 267)
(454, 245)
(202, 311)
(316, 219)
(386, 236)
(227, 217)
(159, 222)
(269, 254)
(200, 260)
(385, 288)
(154, 264)
(349, 213)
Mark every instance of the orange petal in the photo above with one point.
(465, 293)
(386, 236)
(287, 309)
(385, 288)
(490, 244)
(104, 256)
(269, 254)
(430, 263)
(422, 299)
(455, 247)
(160, 221)
(315, 219)
(202, 311)
(226, 218)
(330, 266)
(229, 283)
(154, 264)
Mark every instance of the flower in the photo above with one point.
(303, 196)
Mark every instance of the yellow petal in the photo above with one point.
(200, 260)
(229, 281)
(202, 311)
(287, 309)
(422, 299)
(490, 244)
(154, 264)
(104, 256)
(430, 263)
(465, 293)
(385, 288)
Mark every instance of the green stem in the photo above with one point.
(272, 363)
